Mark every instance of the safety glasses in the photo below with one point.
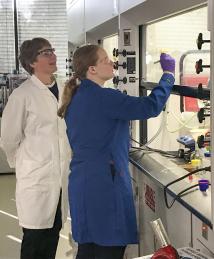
(46, 52)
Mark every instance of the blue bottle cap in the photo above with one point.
(207, 154)
(203, 184)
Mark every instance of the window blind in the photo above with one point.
(36, 18)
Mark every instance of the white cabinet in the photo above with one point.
(177, 220)
(127, 4)
(76, 23)
(203, 237)
(97, 12)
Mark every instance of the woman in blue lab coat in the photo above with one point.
(100, 191)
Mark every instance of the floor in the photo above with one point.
(10, 232)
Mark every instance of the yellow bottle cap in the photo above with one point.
(196, 162)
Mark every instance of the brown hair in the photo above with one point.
(83, 58)
(29, 51)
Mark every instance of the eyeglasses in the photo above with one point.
(46, 52)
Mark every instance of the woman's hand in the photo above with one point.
(167, 63)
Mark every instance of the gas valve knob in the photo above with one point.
(116, 80)
(200, 41)
(116, 65)
(199, 66)
(116, 52)
(69, 67)
(201, 115)
(68, 60)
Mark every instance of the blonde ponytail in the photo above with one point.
(83, 58)
(70, 89)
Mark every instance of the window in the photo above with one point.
(109, 43)
(177, 36)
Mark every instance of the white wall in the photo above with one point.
(125, 5)
(76, 22)
(97, 12)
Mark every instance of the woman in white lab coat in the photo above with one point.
(34, 140)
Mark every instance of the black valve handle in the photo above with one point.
(116, 52)
(68, 67)
(199, 66)
(201, 115)
(68, 60)
(116, 65)
(116, 80)
(200, 41)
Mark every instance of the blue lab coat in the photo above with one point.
(100, 191)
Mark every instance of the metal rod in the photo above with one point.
(16, 37)
(160, 232)
(181, 90)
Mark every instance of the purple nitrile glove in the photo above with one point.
(167, 63)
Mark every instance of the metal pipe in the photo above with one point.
(16, 37)
(182, 90)
(160, 232)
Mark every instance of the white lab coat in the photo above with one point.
(35, 142)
